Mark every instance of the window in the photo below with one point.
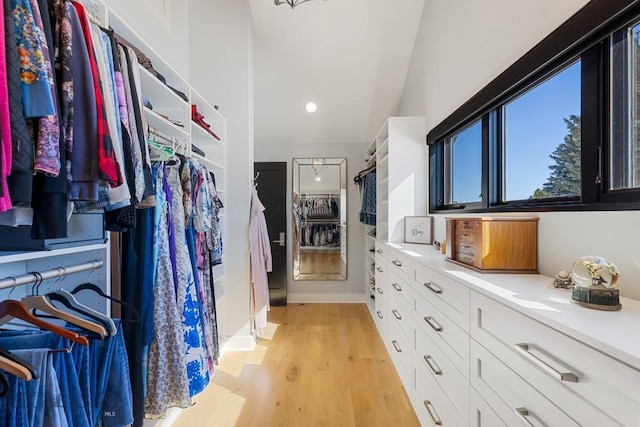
(542, 140)
(624, 164)
(558, 130)
(463, 166)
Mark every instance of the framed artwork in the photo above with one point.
(417, 229)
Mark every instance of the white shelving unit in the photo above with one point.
(401, 158)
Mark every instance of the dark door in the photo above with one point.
(272, 190)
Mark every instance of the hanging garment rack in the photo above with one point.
(10, 282)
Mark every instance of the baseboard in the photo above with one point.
(167, 421)
(238, 343)
(324, 298)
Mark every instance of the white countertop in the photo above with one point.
(616, 333)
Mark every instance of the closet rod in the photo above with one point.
(10, 282)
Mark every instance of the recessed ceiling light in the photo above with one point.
(318, 178)
(311, 107)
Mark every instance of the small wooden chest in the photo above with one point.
(494, 244)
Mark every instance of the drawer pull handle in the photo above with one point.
(522, 414)
(396, 263)
(397, 346)
(466, 247)
(379, 314)
(396, 314)
(396, 287)
(380, 251)
(432, 365)
(432, 413)
(379, 269)
(433, 287)
(432, 322)
(380, 291)
(523, 349)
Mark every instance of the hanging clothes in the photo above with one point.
(368, 199)
(187, 297)
(260, 261)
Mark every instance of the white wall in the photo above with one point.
(353, 288)
(163, 23)
(221, 69)
(461, 47)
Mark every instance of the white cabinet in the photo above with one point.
(401, 175)
(504, 350)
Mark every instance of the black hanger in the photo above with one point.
(62, 299)
(7, 354)
(91, 287)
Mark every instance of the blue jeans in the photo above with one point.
(65, 394)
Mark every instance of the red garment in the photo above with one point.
(5, 125)
(109, 170)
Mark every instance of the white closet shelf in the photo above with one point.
(200, 135)
(14, 256)
(158, 93)
(157, 121)
(206, 161)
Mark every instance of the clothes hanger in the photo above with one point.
(69, 301)
(88, 286)
(96, 289)
(41, 303)
(15, 369)
(9, 355)
(18, 310)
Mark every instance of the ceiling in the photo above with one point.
(348, 56)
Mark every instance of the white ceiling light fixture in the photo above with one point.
(311, 107)
(292, 3)
(318, 165)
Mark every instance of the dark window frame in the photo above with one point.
(584, 36)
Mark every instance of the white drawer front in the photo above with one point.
(381, 281)
(400, 313)
(399, 263)
(381, 250)
(448, 336)
(399, 346)
(443, 370)
(515, 401)
(431, 404)
(481, 414)
(380, 316)
(451, 297)
(400, 286)
(594, 388)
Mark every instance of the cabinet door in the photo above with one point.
(513, 399)
(594, 388)
(481, 414)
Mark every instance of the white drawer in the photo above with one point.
(443, 370)
(380, 316)
(594, 388)
(381, 250)
(381, 282)
(431, 405)
(400, 313)
(399, 347)
(448, 336)
(480, 413)
(380, 268)
(399, 262)
(399, 286)
(513, 400)
(451, 297)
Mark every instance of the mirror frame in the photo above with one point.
(297, 164)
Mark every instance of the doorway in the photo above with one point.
(271, 184)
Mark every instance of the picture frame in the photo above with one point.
(417, 229)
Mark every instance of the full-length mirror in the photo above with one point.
(319, 219)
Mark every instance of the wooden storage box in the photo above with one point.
(494, 244)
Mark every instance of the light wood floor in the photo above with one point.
(325, 366)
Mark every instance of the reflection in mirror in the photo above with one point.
(319, 219)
